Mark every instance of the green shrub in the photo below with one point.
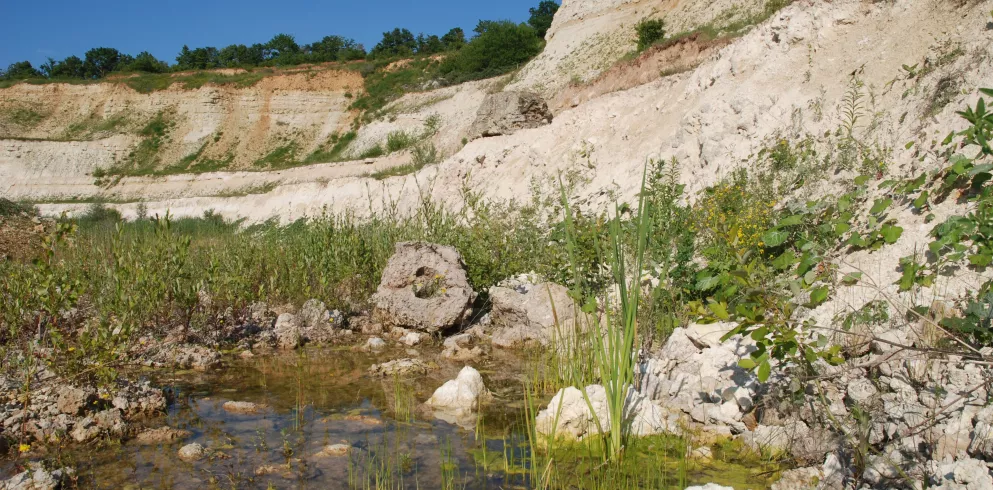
(11, 208)
(499, 48)
(650, 32)
(398, 141)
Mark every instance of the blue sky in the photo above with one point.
(33, 30)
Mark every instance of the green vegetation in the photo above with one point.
(282, 157)
(333, 150)
(650, 32)
(24, 116)
(11, 208)
(542, 17)
(498, 48)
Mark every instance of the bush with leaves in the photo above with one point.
(650, 32)
(498, 48)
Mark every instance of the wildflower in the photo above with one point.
(72, 349)
(23, 448)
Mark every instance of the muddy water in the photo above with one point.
(322, 397)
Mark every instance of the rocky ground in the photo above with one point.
(889, 417)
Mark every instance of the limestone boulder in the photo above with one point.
(462, 394)
(532, 314)
(424, 287)
(506, 113)
(569, 414)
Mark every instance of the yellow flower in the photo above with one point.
(23, 448)
(72, 349)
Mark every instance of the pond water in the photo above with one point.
(321, 397)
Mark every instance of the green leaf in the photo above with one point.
(707, 283)
(842, 228)
(981, 260)
(857, 241)
(785, 261)
(720, 310)
(793, 220)
(764, 371)
(760, 333)
(986, 91)
(891, 233)
(948, 139)
(862, 179)
(852, 278)
(910, 145)
(880, 206)
(818, 296)
(746, 363)
(775, 238)
(921, 200)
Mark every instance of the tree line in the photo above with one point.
(494, 44)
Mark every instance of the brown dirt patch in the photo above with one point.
(658, 61)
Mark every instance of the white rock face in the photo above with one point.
(569, 416)
(461, 396)
(966, 474)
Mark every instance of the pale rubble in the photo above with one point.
(38, 478)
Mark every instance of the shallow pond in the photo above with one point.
(321, 397)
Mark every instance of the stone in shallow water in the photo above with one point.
(242, 407)
(460, 396)
(400, 367)
(334, 450)
(192, 452)
(161, 435)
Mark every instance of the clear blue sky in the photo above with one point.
(33, 30)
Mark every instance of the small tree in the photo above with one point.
(398, 42)
(454, 39)
(541, 17)
(650, 31)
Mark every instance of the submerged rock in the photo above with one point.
(241, 407)
(334, 450)
(161, 435)
(424, 287)
(399, 367)
(460, 348)
(192, 452)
